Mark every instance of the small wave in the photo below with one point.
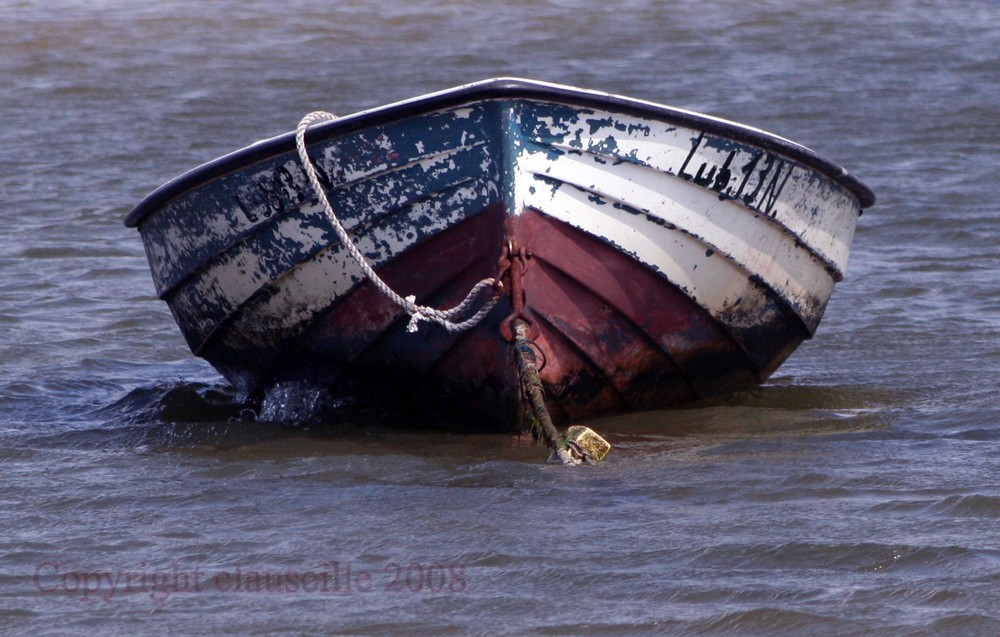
(193, 415)
(964, 624)
(68, 252)
(864, 557)
(772, 621)
(968, 506)
(179, 403)
(299, 403)
(953, 505)
(164, 416)
(978, 434)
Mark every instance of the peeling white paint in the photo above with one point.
(759, 245)
(675, 199)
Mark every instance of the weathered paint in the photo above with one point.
(673, 255)
(666, 218)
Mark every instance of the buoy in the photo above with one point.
(586, 444)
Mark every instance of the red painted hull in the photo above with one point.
(614, 335)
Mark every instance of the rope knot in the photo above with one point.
(416, 312)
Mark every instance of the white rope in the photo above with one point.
(444, 318)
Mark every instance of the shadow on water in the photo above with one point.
(776, 410)
(304, 420)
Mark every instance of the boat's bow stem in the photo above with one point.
(580, 444)
(514, 264)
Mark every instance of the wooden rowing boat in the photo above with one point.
(655, 255)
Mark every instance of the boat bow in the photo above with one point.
(659, 255)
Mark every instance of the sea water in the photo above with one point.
(855, 493)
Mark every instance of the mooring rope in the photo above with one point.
(531, 384)
(444, 318)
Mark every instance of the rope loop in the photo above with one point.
(418, 313)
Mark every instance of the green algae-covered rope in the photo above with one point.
(532, 387)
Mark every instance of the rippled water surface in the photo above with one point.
(856, 493)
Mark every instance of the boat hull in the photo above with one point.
(664, 256)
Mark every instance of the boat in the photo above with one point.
(649, 256)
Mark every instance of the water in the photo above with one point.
(854, 494)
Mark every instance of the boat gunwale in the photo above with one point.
(490, 90)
